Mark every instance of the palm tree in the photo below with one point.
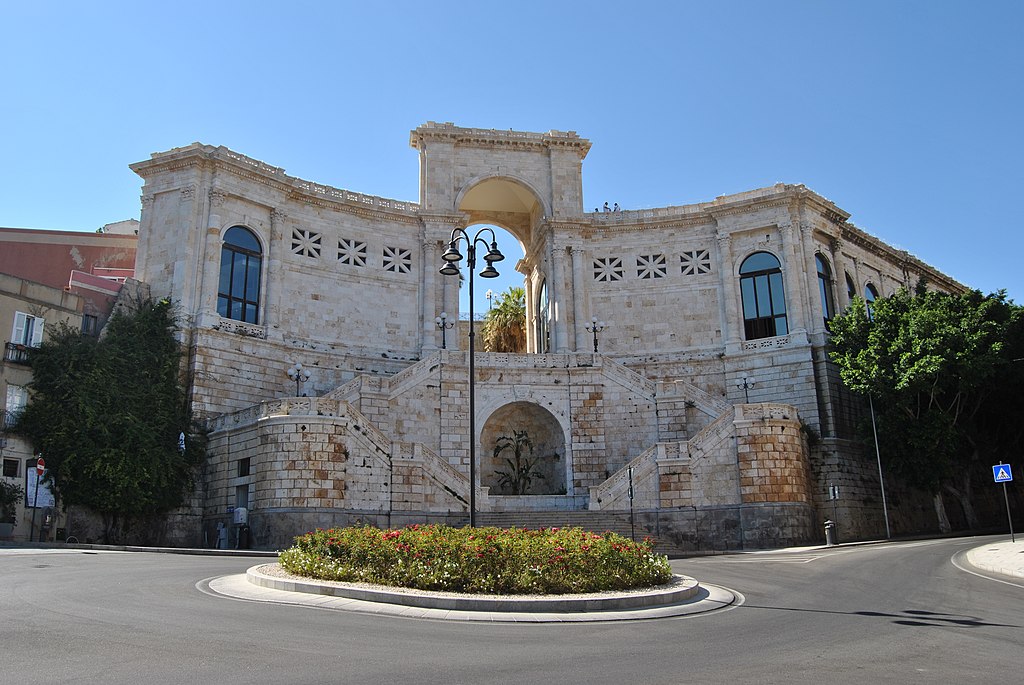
(504, 328)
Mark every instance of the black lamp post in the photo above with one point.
(746, 384)
(452, 257)
(445, 325)
(299, 375)
(595, 327)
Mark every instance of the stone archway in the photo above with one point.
(548, 440)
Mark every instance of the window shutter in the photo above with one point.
(37, 332)
(18, 335)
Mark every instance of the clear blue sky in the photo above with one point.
(908, 115)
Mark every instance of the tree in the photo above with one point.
(522, 465)
(107, 414)
(939, 369)
(504, 329)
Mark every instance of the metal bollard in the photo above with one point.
(830, 533)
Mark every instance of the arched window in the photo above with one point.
(543, 321)
(764, 298)
(825, 288)
(851, 289)
(238, 295)
(870, 295)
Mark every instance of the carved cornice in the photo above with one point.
(898, 258)
(494, 138)
(458, 220)
(296, 189)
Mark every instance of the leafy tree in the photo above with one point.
(107, 415)
(522, 465)
(940, 371)
(504, 329)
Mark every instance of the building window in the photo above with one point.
(870, 295)
(764, 298)
(306, 243)
(695, 262)
(543, 321)
(28, 330)
(11, 468)
(238, 296)
(242, 497)
(651, 266)
(608, 269)
(851, 289)
(17, 398)
(352, 252)
(397, 260)
(825, 288)
(243, 467)
(90, 324)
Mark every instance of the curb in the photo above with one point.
(680, 590)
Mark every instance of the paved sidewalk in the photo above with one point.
(1003, 557)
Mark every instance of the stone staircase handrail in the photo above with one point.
(617, 485)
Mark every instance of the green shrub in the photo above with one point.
(478, 560)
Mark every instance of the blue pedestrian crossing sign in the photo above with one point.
(1002, 473)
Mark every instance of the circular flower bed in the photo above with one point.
(479, 560)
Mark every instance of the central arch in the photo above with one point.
(510, 203)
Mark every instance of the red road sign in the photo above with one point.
(40, 465)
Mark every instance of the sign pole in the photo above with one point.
(1009, 518)
(1003, 473)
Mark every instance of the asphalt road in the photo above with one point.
(885, 613)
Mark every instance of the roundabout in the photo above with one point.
(682, 597)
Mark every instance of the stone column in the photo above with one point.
(428, 294)
(209, 260)
(273, 272)
(579, 316)
(145, 236)
(558, 300)
(815, 308)
(839, 274)
(794, 281)
(729, 309)
(529, 283)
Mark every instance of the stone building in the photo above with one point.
(711, 399)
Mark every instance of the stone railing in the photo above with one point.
(616, 488)
(354, 198)
(413, 374)
(764, 411)
(711, 435)
(328, 192)
(705, 401)
(626, 376)
(767, 343)
(347, 391)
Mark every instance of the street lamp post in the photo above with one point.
(595, 327)
(746, 384)
(489, 295)
(445, 325)
(452, 257)
(299, 375)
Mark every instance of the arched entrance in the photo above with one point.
(541, 453)
(522, 182)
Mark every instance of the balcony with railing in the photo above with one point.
(16, 353)
(7, 419)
